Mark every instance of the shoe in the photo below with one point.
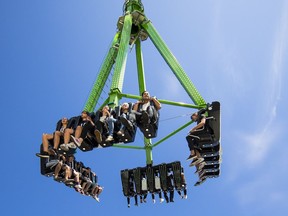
(43, 155)
(128, 206)
(97, 198)
(191, 157)
(52, 152)
(196, 161)
(154, 201)
(98, 136)
(128, 124)
(145, 118)
(78, 186)
(144, 200)
(185, 197)
(200, 181)
(76, 141)
(120, 133)
(64, 147)
(71, 145)
(109, 138)
(161, 200)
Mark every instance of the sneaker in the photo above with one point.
(196, 161)
(71, 145)
(128, 206)
(120, 132)
(98, 136)
(128, 124)
(161, 200)
(78, 186)
(145, 118)
(200, 181)
(191, 157)
(43, 155)
(52, 152)
(64, 147)
(109, 138)
(76, 141)
(154, 201)
(96, 198)
(185, 196)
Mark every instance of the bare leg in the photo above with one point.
(45, 138)
(78, 131)
(67, 134)
(57, 169)
(57, 136)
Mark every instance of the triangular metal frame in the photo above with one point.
(133, 28)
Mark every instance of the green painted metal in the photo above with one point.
(103, 75)
(128, 147)
(140, 67)
(142, 87)
(173, 103)
(132, 5)
(171, 134)
(173, 64)
(120, 64)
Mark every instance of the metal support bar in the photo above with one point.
(128, 147)
(120, 64)
(103, 76)
(171, 134)
(181, 104)
(173, 63)
(140, 67)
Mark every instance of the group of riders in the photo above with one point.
(142, 114)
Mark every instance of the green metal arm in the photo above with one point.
(181, 104)
(172, 134)
(103, 75)
(120, 65)
(173, 63)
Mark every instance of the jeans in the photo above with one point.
(111, 122)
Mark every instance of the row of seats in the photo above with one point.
(88, 180)
(208, 143)
(154, 179)
(89, 143)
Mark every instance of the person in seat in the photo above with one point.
(146, 109)
(56, 136)
(84, 126)
(195, 155)
(126, 118)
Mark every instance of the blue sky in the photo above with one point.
(233, 51)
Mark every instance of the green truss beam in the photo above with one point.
(103, 75)
(120, 64)
(173, 63)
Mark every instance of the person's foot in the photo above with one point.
(128, 206)
(200, 181)
(191, 157)
(120, 132)
(144, 200)
(128, 124)
(196, 161)
(161, 200)
(154, 201)
(96, 198)
(145, 118)
(52, 152)
(78, 186)
(77, 141)
(71, 145)
(43, 155)
(109, 138)
(64, 147)
(98, 136)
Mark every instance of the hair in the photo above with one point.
(144, 92)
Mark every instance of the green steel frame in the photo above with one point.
(132, 19)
